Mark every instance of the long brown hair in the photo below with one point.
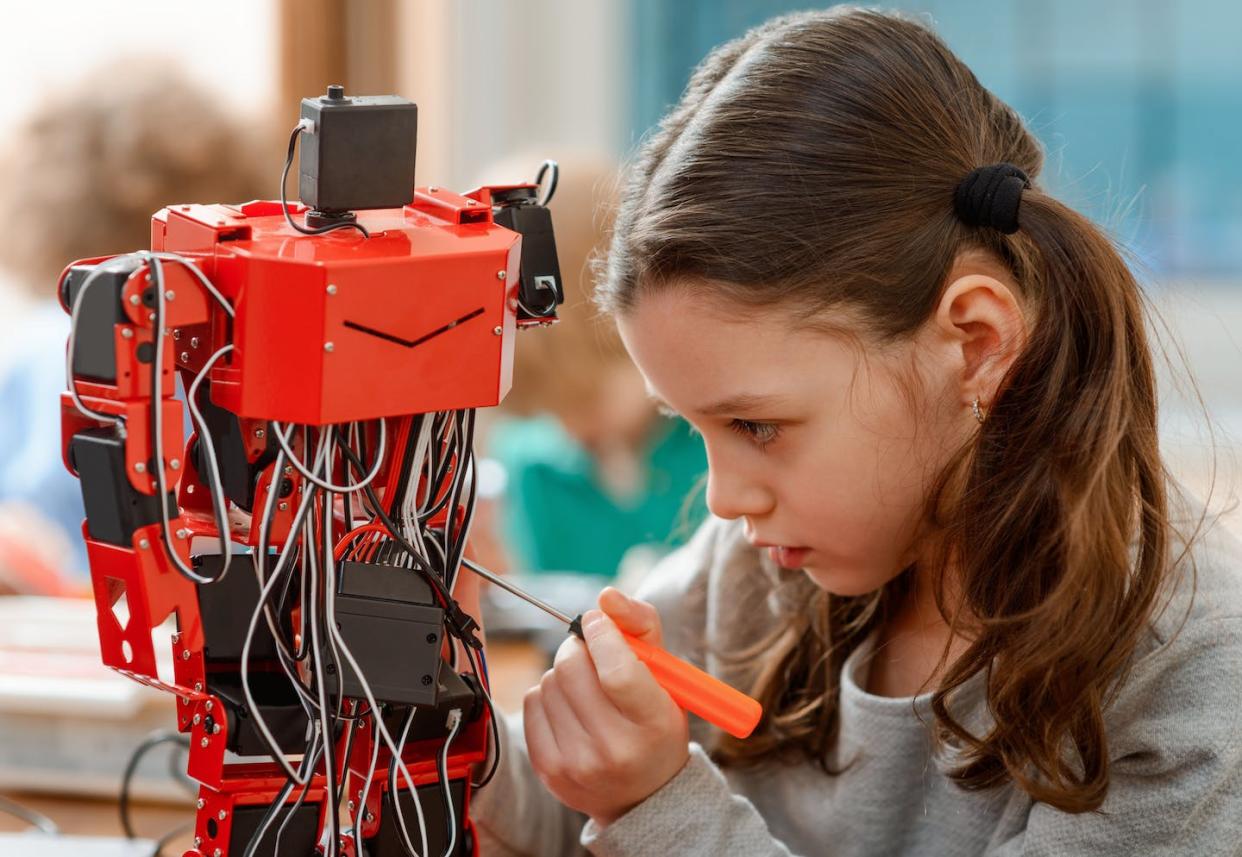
(811, 164)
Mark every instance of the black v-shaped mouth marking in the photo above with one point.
(411, 343)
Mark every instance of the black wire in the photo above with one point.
(170, 836)
(272, 809)
(284, 204)
(492, 722)
(153, 740)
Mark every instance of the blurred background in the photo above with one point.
(114, 111)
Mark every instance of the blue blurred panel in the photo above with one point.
(1139, 105)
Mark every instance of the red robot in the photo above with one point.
(305, 540)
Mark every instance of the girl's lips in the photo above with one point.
(785, 557)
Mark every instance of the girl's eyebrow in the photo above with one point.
(741, 403)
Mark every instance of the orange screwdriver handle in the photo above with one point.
(698, 692)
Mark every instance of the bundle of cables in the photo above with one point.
(431, 478)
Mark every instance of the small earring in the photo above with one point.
(974, 406)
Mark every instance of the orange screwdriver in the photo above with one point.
(691, 688)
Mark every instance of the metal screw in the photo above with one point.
(201, 803)
(222, 815)
(433, 189)
(283, 506)
(203, 743)
(198, 718)
(328, 346)
(217, 852)
(135, 300)
(175, 464)
(208, 705)
(370, 816)
(288, 469)
(176, 333)
(498, 330)
(198, 840)
(126, 333)
(144, 544)
(259, 432)
(194, 342)
(471, 202)
(185, 357)
(140, 468)
(331, 289)
(169, 295)
(500, 275)
(215, 730)
(431, 638)
(198, 685)
(185, 654)
(182, 533)
(351, 806)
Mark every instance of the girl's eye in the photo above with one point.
(761, 433)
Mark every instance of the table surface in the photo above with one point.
(514, 667)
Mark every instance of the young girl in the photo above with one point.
(945, 554)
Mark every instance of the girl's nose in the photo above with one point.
(733, 494)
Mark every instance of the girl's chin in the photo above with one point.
(834, 581)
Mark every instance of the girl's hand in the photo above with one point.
(601, 733)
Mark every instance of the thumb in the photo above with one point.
(636, 618)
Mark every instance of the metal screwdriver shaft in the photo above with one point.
(520, 593)
(690, 687)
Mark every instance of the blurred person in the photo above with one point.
(82, 177)
(592, 470)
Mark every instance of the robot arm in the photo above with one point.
(307, 537)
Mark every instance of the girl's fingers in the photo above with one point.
(572, 737)
(637, 618)
(545, 754)
(626, 681)
(577, 678)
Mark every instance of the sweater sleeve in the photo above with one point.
(694, 813)
(1176, 775)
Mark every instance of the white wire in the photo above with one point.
(157, 427)
(396, 799)
(259, 720)
(334, 632)
(200, 276)
(283, 439)
(455, 720)
(214, 485)
(76, 309)
(75, 312)
(321, 684)
(366, 791)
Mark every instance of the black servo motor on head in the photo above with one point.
(358, 154)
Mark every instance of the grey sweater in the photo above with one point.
(1175, 743)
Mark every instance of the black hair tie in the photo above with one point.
(990, 196)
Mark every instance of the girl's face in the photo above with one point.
(825, 447)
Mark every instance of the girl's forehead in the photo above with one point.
(701, 354)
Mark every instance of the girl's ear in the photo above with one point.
(983, 322)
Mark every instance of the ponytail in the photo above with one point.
(1065, 474)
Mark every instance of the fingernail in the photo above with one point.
(627, 599)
